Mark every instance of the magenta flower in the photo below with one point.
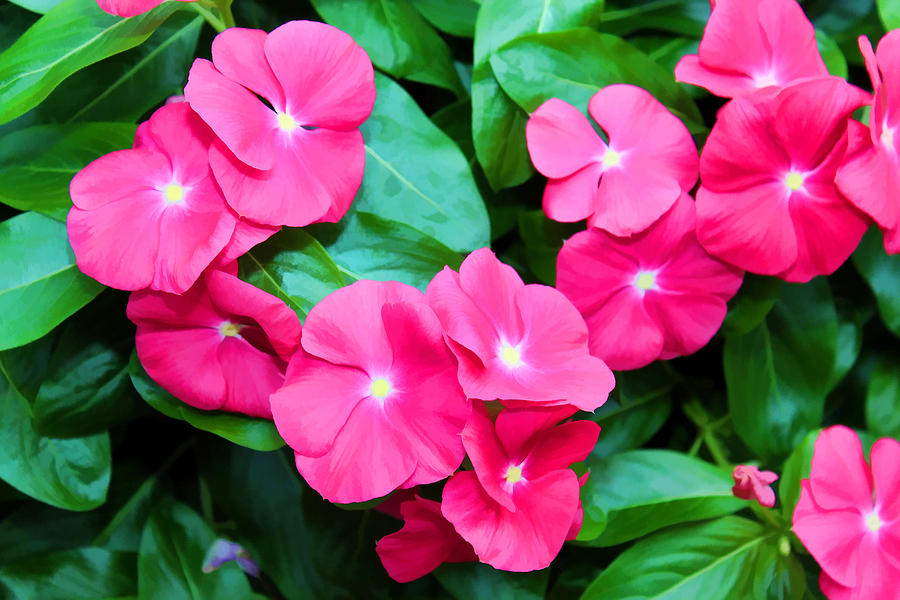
(516, 341)
(425, 541)
(129, 8)
(298, 159)
(654, 295)
(870, 177)
(768, 202)
(151, 216)
(372, 403)
(222, 345)
(848, 516)
(752, 44)
(752, 484)
(625, 186)
(521, 502)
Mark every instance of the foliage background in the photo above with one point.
(111, 488)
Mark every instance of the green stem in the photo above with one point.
(207, 14)
(715, 449)
(227, 17)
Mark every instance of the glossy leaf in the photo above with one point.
(38, 6)
(416, 175)
(831, 54)
(37, 163)
(882, 273)
(39, 283)
(795, 468)
(889, 11)
(751, 304)
(778, 374)
(73, 35)
(883, 398)
(543, 240)
(476, 580)
(81, 574)
(170, 562)
(685, 17)
(456, 17)
(251, 432)
(631, 494)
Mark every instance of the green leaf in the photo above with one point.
(883, 398)
(374, 248)
(831, 54)
(795, 468)
(38, 6)
(397, 38)
(72, 473)
(751, 304)
(39, 283)
(456, 17)
(13, 22)
(75, 34)
(543, 240)
(251, 432)
(294, 266)
(416, 175)
(882, 273)
(725, 559)
(778, 374)
(38, 529)
(170, 562)
(37, 163)
(465, 581)
(640, 491)
(87, 388)
(574, 65)
(685, 17)
(889, 11)
(81, 574)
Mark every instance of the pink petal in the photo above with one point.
(251, 376)
(629, 201)
(573, 198)
(725, 84)
(247, 234)
(487, 456)
(335, 88)
(865, 48)
(688, 321)
(189, 310)
(561, 140)
(117, 175)
(733, 40)
(179, 133)
(840, 478)
(623, 334)
(461, 318)
(560, 448)
(494, 284)
(869, 178)
(591, 267)
(885, 458)
(239, 54)
(792, 38)
(517, 426)
(128, 8)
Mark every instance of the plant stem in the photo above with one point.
(207, 14)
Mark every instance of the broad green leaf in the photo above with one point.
(831, 54)
(639, 491)
(87, 388)
(39, 283)
(751, 304)
(889, 11)
(684, 17)
(882, 273)
(778, 374)
(39, 529)
(295, 267)
(37, 163)
(73, 35)
(498, 125)
(416, 175)
(795, 468)
(725, 559)
(574, 65)
(73, 473)
(543, 240)
(374, 248)
(397, 38)
(251, 432)
(14, 20)
(636, 409)
(456, 17)
(80, 574)
(666, 51)
(170, 562)
(465, 581)
(38, 6)
(883, 398)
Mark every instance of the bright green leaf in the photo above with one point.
(831, 54)
(795, 468)
(882, 273)
(883, 398)
(38, 6)
(80, 574)
(543, 240)
(456, 17)
(889, 11)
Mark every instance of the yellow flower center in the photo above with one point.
(645, 281)
(230, 329)
(794, 181)
(173, 193)
(380, 387)
(514, 474)
(510, 356)
(286, 122)
(611, 158)
(873, 523)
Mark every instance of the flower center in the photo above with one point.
(513, 474)
(887, 136)
(173, 193)
(873, 523)
(645, 280)
(611, 158)
(793, 181)
(286, 122)
(510, 356)
(766, 80)
(381, 387)
(229, 329)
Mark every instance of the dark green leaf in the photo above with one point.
(456, 17)
(397, 38)
(631, 494)
(684, 17)
(13, 22)
(831, 54)
(170, 562)
(889, 11)
(778, 374)
(725, 559)
(416, 175)
(39, 283)
(882, 273)
(38, 529)
(75, 34)
(37, 163)
(543, 239)
(795, 468)
(883, 398)
(251, 432)
(81, 574)
(465, 581)
(751, 304)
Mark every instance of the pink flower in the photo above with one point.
(129, 8)
(767, 201)
(151, 216)
(300, 161)
(623, 187)
(752, 44)
(516, 341)
(654, 295)
(372, 402)
(222, 345)
(870, 178)
(848, 516)
(521, 502)
(425, 542)
(752, 484)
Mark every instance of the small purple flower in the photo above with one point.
(223, 551)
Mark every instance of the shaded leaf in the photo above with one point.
(456, 17)
(882, 273)
(476, 580)
(80, 574)
(883, 398)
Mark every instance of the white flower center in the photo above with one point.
(510, 356)
(645, 280)
(381, 387)
(173, 193)
(229, 329)
(873, 522)
(611, 158)
(286, 122)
